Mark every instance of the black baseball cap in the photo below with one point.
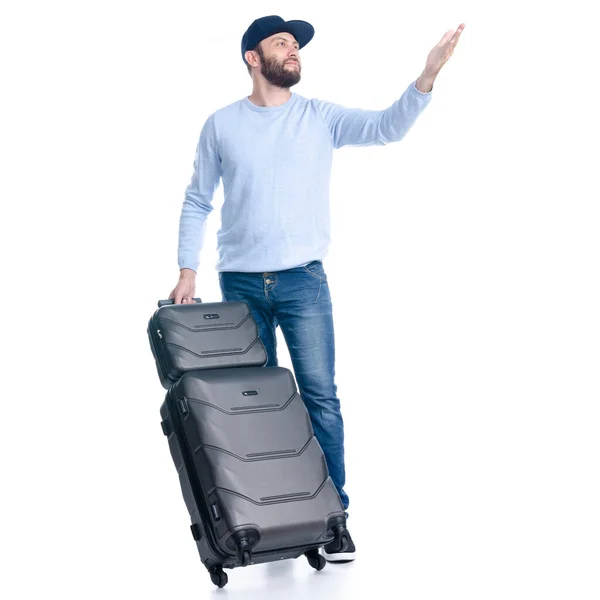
(267, 26)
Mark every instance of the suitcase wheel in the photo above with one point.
(243, 540)
(218, 577)
(315, 560)
(245, 558)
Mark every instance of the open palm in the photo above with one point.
(438, 57)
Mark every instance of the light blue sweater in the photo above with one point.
(275, 163)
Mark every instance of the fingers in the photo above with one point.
(175, 296)
(456, 35)
(182, 295)
(187, 297)
(446, 37)
(452, 36)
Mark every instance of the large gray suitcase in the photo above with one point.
(253, 476)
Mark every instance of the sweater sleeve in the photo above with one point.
(358, 127)
(198, 197)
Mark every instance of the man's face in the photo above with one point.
(279, 60)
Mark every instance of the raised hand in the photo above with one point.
(440, 54)
(437, 58)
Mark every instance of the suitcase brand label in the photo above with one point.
(211, 316)
(250, 393)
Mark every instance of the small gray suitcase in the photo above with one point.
(253, 476)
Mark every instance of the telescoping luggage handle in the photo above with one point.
(167, 302)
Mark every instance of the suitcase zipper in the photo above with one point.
(197, 490)
(159, 351)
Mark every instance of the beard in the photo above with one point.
(276, 73)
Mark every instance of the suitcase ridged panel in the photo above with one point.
(183, 338)
(224, 418)
(262, 466)
(262, 455)
(282, 525)
(267, 480)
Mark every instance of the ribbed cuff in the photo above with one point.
(189, 265)
(414, 85)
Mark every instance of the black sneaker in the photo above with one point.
(332, 553)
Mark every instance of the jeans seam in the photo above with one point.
(267, 296)
(319, 277)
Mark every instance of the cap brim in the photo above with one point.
(301, 30)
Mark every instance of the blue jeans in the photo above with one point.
(298, 301)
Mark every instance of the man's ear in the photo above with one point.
(250, 57)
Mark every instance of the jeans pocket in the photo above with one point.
(315, 268)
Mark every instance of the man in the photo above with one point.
(273, 150)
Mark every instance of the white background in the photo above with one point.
(464, 272)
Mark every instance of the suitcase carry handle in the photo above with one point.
(172, 301)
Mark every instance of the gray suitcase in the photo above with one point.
(253, 476)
